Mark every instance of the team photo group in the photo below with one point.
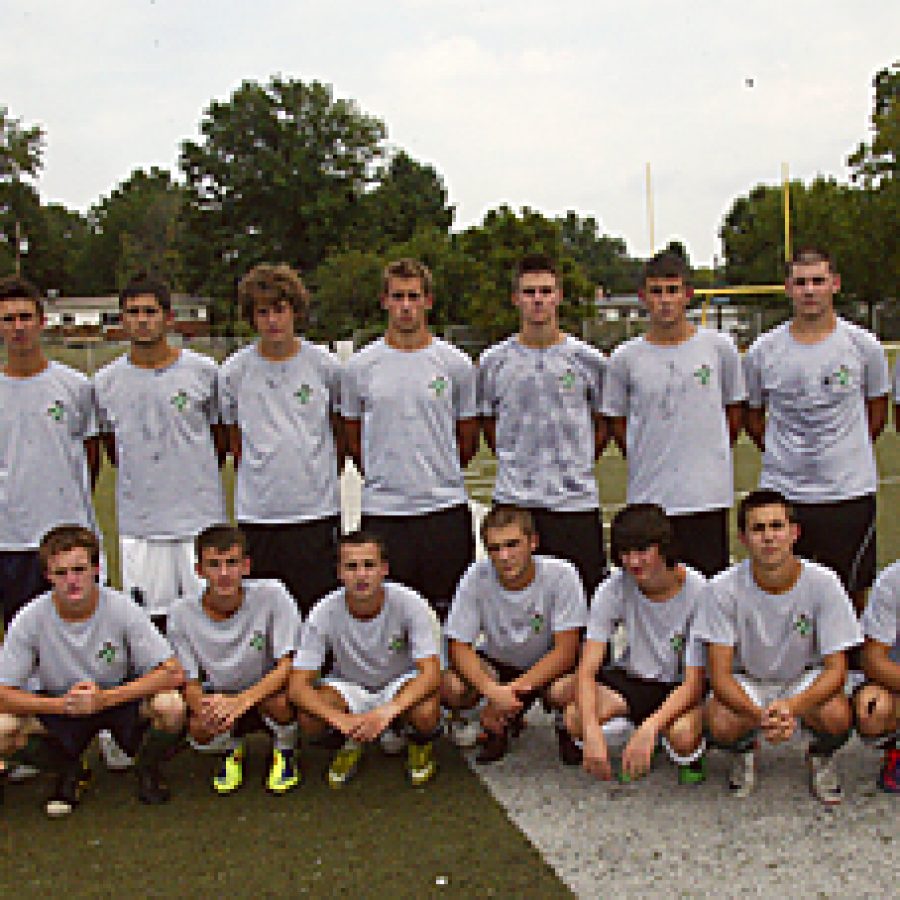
(379, 639)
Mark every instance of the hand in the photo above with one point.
(779, 722)
(219, 712)
(84, 698)
(595, 756)
(492, 719)
(639, 751)
(505, 698)
(370, 725)
(174, 676)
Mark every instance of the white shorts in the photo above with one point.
(362, 699)
(764, 692)
(158, 571)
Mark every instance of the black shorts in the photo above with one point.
(428, 552)
(840, 535)
(303, 555)
(642, 696)
(702, 539)
(74, 733)
(576, 537)
(21, 579)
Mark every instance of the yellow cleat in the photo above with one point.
(285, 772)
(344, 765)
(231, 776)
(421, 765)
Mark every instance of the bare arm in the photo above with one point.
(559, 660)
(686, 696)
(489, 430)
(271, 683)
(468, 664)
(353, 441)
(734, 414)
(17, 702)
(601, 435)
(92, 455)
(619, 428)
(755, 425)
(725, 686)
(426, 683)
(829, 682)
(467, 431)
(878, 665)
(304, 694)
(592, 656)
(193, 697)
(876, 414)
(340, 441)
(167, 676)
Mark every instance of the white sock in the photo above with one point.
(285, 735)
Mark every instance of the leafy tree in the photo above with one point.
(347, 287)
(604, 259)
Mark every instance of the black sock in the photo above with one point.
(419, 737)
(824, 744)
(156, 746)
(42, 752)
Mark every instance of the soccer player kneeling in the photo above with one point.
(236, 641)
(658, 683)
(530, 610)
(83, 643)
(878, 700)
(383, 639)
(777, 628)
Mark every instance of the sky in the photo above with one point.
(554, 106)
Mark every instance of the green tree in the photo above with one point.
(604, 259)
(347, 287)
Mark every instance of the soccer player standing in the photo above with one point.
(408, 407)
(675, 398)
(817, 388)
(47, 439)
(539, 395)
(279, 397)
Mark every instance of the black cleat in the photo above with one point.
(152, 788)
(569, 752)
(70, 786)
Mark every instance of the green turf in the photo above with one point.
(375, 837)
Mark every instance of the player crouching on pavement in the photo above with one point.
(530, 610)
(384, 642)
(658, 684)
(236, 641)
(878, 700)
(777, 630)
(83, 641)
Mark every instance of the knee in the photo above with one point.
(561, 693)
(279, 709)
(167, 711)
(572, 720)
(834, 716)
(12, 733)
(453, 690)
(723, 726)
(685, 732)
(874, 708)
(425, 715)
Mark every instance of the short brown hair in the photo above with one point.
(504, 516)
(407, 268)
(534, 262)
(763, 497)
(15, 287)
(68, 537)
(665, 265)
(639, 526)
(221, 538)
(271, 283)
(360, 537)
(142, 285)
(807, 256)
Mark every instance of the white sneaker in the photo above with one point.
(115, 758)
(392, 742)
(464, 732)
(823, 780)
(21, 772)
(743, 774)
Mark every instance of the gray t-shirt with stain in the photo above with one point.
(881, 619)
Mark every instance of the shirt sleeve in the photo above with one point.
(615, 386)
(837, 627)
(147, 648)
(228, 379)
(695, 648)
(333, 373)
(211, 406)
(596, 371)
(463, 623)
(877, 375)
(18, 653)
(351, 402)
(569, 609)
(715, 621)
(181, 644)
(486, 387)
(464, 391)
(881, 620)
(733, 388)
(607, 609)
(104, 424)
(285, 622)
(753, 378)
(314, 643)
(423, 629)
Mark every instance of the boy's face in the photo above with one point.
(73, 578)
(20, 324)
(362, 571)
(510, 550)
(645, 566)
(769, 536)
(811, 287)
(274, 320)
(537, 298)
(407, 305)
(666, 300)
(144, 320)
(224, 571)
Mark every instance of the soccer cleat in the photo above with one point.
(569, 752)
(693, 772)
(231, 774)
(392, 742)
(22, 772)
(889, 777)
(421, 765)
(464, 732)
(152, 788)
(823, 780)
(114, 757)
(743, 774)
(70, 786)
(344, 765)
(284, 773)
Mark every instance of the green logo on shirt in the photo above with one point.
(258, 641)
(398, 643)
(56, 411)
(567, 380)
(107, 653)
(803, 625)
(703, 374)
(677, 643)
(439, 385)
(180, 401)
(303, 393)
(842, 376)
(536, 622)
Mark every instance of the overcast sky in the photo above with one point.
(557, 106)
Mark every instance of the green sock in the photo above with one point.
(156, 746)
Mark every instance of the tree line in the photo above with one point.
(285, 171)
